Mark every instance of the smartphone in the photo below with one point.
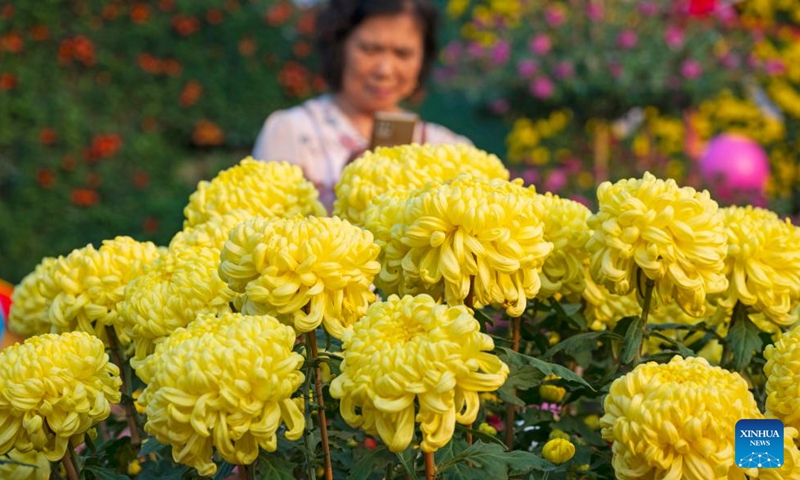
(393, 128)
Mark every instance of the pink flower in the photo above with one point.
(530, 177)
(627, 39)
(496, 422)
(691, 69)
(527, 68)
(729, 60)
(554, 16)
(501, 52)
(542, 88)
(775, 67)
(556, 181)
(726, 14)
(564, 70)
(674, 36)
(475, 50)
(540, 44)
(594, 11)
(582, 200)
(451, 52)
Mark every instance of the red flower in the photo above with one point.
(110, 11)
(11, 42)
(247, 47)
(166, 5)
(295, 79)
(8, 81)
(149, 63)
(78, 48)
(140, 13)
(84, 197)
(214, 16)
(172, 67)
(701, 8)
(278, 14)
(207, 133)
(306, 23)
(301, 49)
(191, 93)
(103, 146)
(184, 25)
(40, 33)
(45, 177)
(47, 136)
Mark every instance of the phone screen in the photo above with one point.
(393, 128)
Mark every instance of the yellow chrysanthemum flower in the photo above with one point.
(783, 377)
(303, 271)
(565, 227)
(558, 451)
(223, 383)
(465, 235)
(14, 471)
(28, 314)
(763, 263)
(409, 351)
(674, 236)
(406, 167)
(53, 388)
(667, 421)
(88, 283)
(179, 286)
(267, 189)
(213, 233)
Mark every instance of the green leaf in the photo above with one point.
(479, 435)
(683, 350)
(569, 313)
(407, 459)
(632, 343)
(102, 473)
(482, 461)
(274, 467)
(224, 470)
(151, 445)
(744, 340)
(579, 343)
(544, 367)
(377, 459)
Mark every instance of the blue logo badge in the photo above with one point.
(759, 443)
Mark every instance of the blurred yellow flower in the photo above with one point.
(11, 471)
(407, 167)
(410, 353)
(53, 388)
(179, 286)
(223, 383)
(303, 271)
(565, 227)
(783, 376)
(763, 263)
(671, 235)
(487, 429)
(558, 451)
(86, 286)
(667, 421)
(134, 467)
(465, 235)
(267, 189)
(28, 314)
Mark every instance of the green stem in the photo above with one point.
(739, 310)
(648, 297)
(127, 400)
(310, 463)
(323, 422)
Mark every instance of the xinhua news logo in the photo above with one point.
(759, 443)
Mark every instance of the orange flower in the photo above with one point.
(207, 133)
(185, 25)
(278, 14)
(306, 23)
(172, 67)
(166, 5)
(40, 33)
(301, 49)
(84, 197)
(45, 177)
(77, 48)
(11, 42)
(8, 81)
(110, 11)
(214, 16)
(191, 93)
(47, 136)
(247, 47)
(294, 78)
(149, 63)
(103, 146)
(140, 13)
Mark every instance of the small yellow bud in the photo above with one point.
(592, 421)
(487, 429)
(558, 451)
(553, 338)
(552, 393)
(134, 467)
(320, 472)
(325, 373)
(559, 434)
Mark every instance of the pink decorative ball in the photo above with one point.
(735, 168)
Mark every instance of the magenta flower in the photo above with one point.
(451, 52)
(501, 52)
(554, 16)
(674, 36)
(691, 69)
(527, 68)
(594, 11)
(627, 39)
(542, 88)
(775, 67)
(556, 181)
(564, 70)
(540, 44)
(475, 50)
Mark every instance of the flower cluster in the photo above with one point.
(465, 235)
(411, 359)
(666, 421)
(566, 228)
(268, 189)
(53, 388)
(29, 466)
(783, 375)
(223, 383)
(762, 263)
(211, 233)
(86, 286)
(180, 285)
(673, 236)
(407, 167)
(28, 314)
(303, 271)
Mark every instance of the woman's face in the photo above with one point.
(382, 61)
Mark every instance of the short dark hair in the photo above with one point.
(337, 20)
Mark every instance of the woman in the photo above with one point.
(374, 54)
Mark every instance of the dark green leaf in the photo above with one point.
(491, 461)
(579, 343)
(479, 435)
(407, 459)
(151, 445)
(683, 350)
(102, 473)
(632, 344)
(744, 340)
(224, 470)
(569, 313)
(274, 467)
(544, 367)
(376, 460)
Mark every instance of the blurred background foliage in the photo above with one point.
(112, 111)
